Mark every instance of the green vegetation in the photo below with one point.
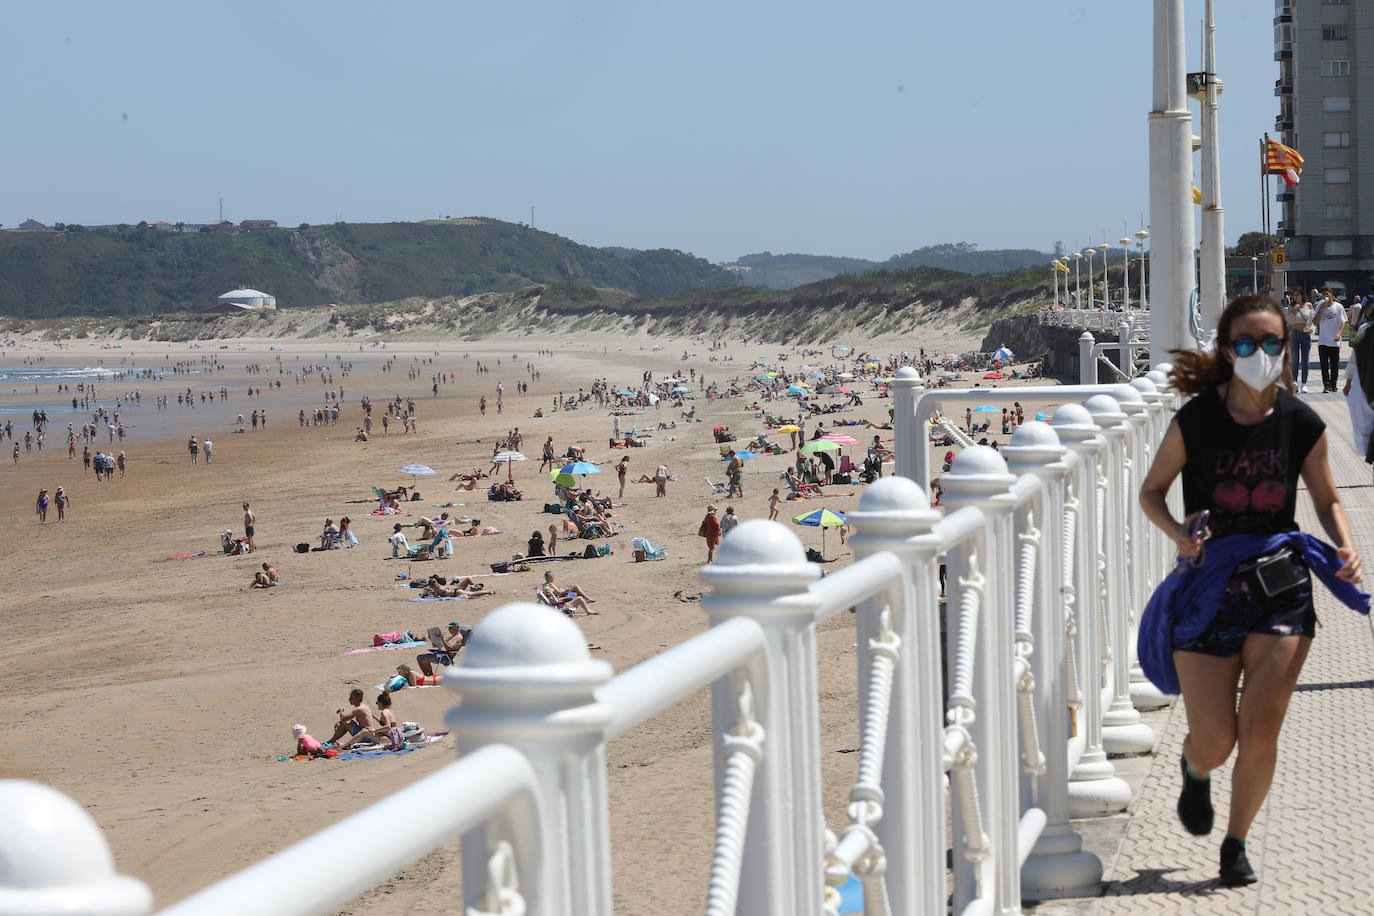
(138, 270)
(787, 271)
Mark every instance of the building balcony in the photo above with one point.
(1284, 17)
(1283, 123)
(1285, 196)
(1283, 89)
(1283, 54)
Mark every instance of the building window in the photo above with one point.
(1336, 139)
(1333, 2)
(1335, 32)
(1336, 176)
(1335, 68)
(1338, 211)
(1336, 103)
(1337, 248)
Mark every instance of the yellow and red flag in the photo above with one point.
(1282, 160)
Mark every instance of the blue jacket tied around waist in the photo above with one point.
(1186, 601)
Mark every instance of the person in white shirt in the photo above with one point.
(1331, 321)
(398, 542)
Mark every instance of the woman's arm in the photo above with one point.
(1316, 473)
(1168, 463)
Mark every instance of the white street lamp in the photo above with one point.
(1106, 290)
(1126, 272)
(1254, 273)
(1088, 253)
(1077, 288)
(1141, 235)
(1054, 275)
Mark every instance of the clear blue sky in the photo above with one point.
(717, 128)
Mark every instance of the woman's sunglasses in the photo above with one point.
(1246, 346)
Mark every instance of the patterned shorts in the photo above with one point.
(1245, 609)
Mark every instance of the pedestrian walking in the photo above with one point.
(1240, 601)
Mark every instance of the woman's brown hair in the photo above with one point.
(1197, 370)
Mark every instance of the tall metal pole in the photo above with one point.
(1077, 289)
(1212, 289)
(1171, 198)
(1125, 273)
(1088, 253)
(1106, 289)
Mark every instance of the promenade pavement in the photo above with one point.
(1313, 842)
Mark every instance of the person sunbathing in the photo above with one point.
(386, 729)
(564, 598)
(453, 644)
(330, 533)
(354, 719)
(462, 587)
(266, 577)
(419, 680)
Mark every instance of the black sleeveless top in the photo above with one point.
(1247, 475)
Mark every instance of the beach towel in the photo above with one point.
(389, 512)
(183, 556)
(401, 645)
(454, 598)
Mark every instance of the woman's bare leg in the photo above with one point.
(1272, 665)
(1209, 696)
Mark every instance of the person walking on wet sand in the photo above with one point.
(620, 470)
(194, 447)
(41, 507)
(62, 500)
(249, 519)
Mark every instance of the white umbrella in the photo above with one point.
(507, 457)
(416, 470)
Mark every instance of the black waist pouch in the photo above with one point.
(1276, 573)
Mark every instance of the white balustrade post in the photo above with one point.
(54, 859)
(1087, 363)
(1058, 865)
(912, 458)
(1144, 553)
(894, 514)
(761, 572)
(979, 478)
(1094, 787)
(528, 681)
(1123, 731)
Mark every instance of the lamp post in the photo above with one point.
(1077, 288)
(1054, 275)
(1254, 273)
(1141, 235)
(1088, 253)
(1126, 273)
(1106, 289)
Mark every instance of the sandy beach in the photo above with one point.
(159, 693)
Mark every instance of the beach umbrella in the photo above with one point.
(816, 375)
(1001, 353)
(846, 375)
(841, 438)
(986, 408)
(508, 457)
(796, 389)
(995, 376)
(682, 388)
(580, 468)
(841, 389)
(563, 480)
(822, 519)
(820, 445)
(1041, 415)
(744, 455)
(626, 391)
(789, 428)
(416, 470)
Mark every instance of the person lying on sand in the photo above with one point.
(353, 718)
(454, 642)
(462, 587)
(419, 680)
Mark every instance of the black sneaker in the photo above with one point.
(1235, 867)
(1195, 802)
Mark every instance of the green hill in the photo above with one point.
(141, 271)
(788, 271)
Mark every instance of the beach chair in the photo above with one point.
(539, 598)
(585, 529)
(420, 552)
(643, 550)
(716, 488)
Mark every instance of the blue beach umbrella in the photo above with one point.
(797, 389)
(579, 467)
(743, 456)
(626, 391)
(682, 388)
(986, 408)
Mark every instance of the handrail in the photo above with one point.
(310, 876)
(864, 579)
(667, 679)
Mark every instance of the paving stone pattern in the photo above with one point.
(1313, 842)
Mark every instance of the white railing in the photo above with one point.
(1038, 620)
(1090, 319)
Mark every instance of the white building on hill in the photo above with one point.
(241, 300)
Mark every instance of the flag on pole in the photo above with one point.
(1059, 265)
(1197, 194)
(1282, 160)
